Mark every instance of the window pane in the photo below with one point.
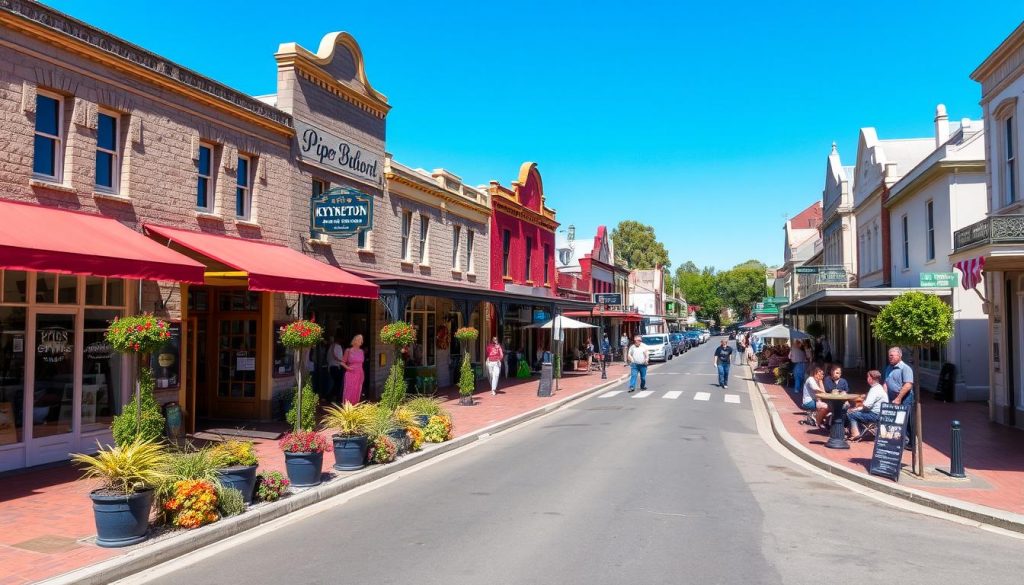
(243, 172)
(12, 373)
(361, 239)
(204, 160)
(54, 392)
(115, 292)
(46, 287)
(240, 202)
(94, 290)
(15, 286)
(104, 169)
(67, 289)
(45, 156)
(201, 193)
(106, 132)
(47, 115)
(101, 372)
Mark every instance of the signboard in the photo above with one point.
(608, 298)
(244, 363)
(320, 147)
(546, 376)
(832, 275)
(806, 269)
(938, 280)
(888, 454)
(541, 316)
(341, 212)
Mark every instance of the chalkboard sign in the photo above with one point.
(887, 457)
(546, 376)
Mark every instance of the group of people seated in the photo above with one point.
(856, 412)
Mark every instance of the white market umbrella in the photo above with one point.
(563, 323)
(781, 332)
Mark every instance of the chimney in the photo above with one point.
(941, 125)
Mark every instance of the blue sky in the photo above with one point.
(710, 121)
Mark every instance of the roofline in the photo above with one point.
(1011, 43)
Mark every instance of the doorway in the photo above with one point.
(55, 365)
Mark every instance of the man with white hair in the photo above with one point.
(899, 382)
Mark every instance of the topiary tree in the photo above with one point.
(140, 419)
(467, 381)
(916, 320)
(398, 335)
(139, 335)
(309, 403)
(299, 336)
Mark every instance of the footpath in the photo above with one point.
(46, 521)
(993, 492)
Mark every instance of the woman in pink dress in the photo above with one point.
(353, 364)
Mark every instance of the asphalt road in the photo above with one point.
(618, 490)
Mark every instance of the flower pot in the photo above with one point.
(422, 420)
(349, 453)
(401, 441)
(304, 468)
(240, 477)
(466, 400)
(121, 520)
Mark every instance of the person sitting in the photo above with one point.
(813, 387)
(869, 412)
(835, 381)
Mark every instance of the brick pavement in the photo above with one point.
(45, 514)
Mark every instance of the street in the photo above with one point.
(674, 486)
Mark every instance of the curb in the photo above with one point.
(975, 512)
(186, 542)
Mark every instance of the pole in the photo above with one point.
(298, 378)
(138, 380)
(918, 452)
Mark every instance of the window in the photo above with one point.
(547, 264)
(47, 160)
(456, 237)
(469, 251)
(361, 241)
(406, 232)
(424, 241)
(1010, 163)
(529, 258)
(422, 315)
(506, 243)
(243, 201)
(930, 211)
(107, 164)
(319, 186)
(204, 181)
(906, 244)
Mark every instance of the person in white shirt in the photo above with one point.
(813, 386)
(637, 358)
(741, 345)
(871, 409)
(798, 357)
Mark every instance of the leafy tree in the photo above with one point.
(700, 288)
(636, 244)
(741, 288)
(688, 267)
(752, 264)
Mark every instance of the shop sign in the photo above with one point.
(54, 346)
(806, 269)
(832, 275)
(341, 212)
(324, 149)
(608, 298)
(938, 279)
(99, 351)
(541, 316)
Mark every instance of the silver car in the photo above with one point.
(658, 345)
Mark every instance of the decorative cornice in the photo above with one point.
(1001, 63)
(440, 194)
(512, 208)
(930, 174)
(70, 34)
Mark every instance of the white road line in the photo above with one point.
(643, 394)
(673, 394)
(610, 394)
(702, 396)
(732, 398)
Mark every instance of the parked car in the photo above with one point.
(679, 344)
(693, 337)
(658, 346)
(705, 335)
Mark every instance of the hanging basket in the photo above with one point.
(137, 334)
(398, 334)
(301, 334)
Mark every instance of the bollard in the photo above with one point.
(604, 371)
(956, 456)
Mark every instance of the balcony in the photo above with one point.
(996, 229)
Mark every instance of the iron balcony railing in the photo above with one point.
(996, 229)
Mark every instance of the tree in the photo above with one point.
(636, 244)
(741, 288)
(688, 267)
(752, 264)
(701, 289)
(916, 320)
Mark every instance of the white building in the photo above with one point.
(838, 227)
(802, 242)
(647, 293)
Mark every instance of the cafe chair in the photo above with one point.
(865, 429)
(808, 417)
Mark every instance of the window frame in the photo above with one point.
(905, 222)
(506, 250)
(1009, 166)
(406, 236)
(456, 247)
(929, 210)
(210, 178)
(529, 259)
(243, 193)
(547, 262)
(424, 240)
(470, 235)
(324, 186)
(59, 139)
(115, 155)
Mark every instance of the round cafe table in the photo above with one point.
(837, 432)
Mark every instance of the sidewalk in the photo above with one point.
(46, 520)
(993, 458)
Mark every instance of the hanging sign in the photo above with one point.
(887, 457)
(938, 280)
(608, 298)
(341, 212)
(320, 147)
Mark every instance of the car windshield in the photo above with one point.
(653, 340)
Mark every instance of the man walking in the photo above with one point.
(740, 346)
(606, 349)
(637, 358)
(899, 382)
(623, 347)
(723, 357)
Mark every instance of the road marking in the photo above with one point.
(732, 398)
(643, 394)
(672, 395)
(702, 396)
(610, 394)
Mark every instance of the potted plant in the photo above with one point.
(271, 485)
(304, 457)
(298, 336)
(350, 440)
(423, 407)
(467, 381)
(139, 335)
(121, 505)
(438, 430)
(193, 503)
(238, 462)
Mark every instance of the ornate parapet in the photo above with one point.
(997, 229)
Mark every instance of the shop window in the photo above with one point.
(243, 188)
(529, 259)
(15, 286)
(46, 287)
(424, 239)
(469, 251)
(104, 292)
(456, 240)
(204, 180)
(101, 372)
(54, 390)
(67, 289)
(107, 147)
(421, 314)
(48, 148)
(284, 358)
(932, 358)
(12, 374)
(199, 300)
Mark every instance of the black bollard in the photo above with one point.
(956, 456)
(604, 372)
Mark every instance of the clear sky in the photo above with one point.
(710, 121)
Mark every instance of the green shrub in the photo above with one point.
(310, 402)
(126, 428)
(190, 464)
(230, 501)
(394, 388)
(467, 381)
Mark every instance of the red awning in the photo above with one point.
(752, 324)
(271, 267)
(626, 317)
(47, 239)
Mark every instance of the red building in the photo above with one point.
(522, 236)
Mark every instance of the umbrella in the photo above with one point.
(563, 323)
(782, 332)
(751, 325)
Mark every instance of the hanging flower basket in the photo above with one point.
(301, 334)
(398, 334)
(467, 334)
(138, 334)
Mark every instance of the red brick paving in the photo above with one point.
(52, 502)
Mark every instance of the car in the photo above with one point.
(705, 335)
(693, 337)
(679, 344)
(658, 345)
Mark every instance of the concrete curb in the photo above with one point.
(975, 512)
(149, 556)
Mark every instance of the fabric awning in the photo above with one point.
(47, 239)
(851, 301)
(624, 315)
(271, 267)
(751, 324)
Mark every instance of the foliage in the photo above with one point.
(304, 442)
(301, 334)
(781, 374)
(636, 244)
(467, 334)
(438, 429)
(398, 334)
(403, 416)
(193, 503)
(815, 329)
(394, 387)
(310, 402)
(700, 288)
(742, 288)
(381, 422)
(189, 464)
(127, 468)
(234, 452)
(348, 420)
(382, 450)
(137, 334)
(271, 485)
(467, 380)
(415, 435)
(125, 426)
(752, 264)
(688, 267)
(230, 501)
(425, 405)
(915, 319)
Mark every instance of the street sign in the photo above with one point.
(887, 456)
(806, 269)
(608, 298)
(938, 279)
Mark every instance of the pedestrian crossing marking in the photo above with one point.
(732, 398)
(610, 394)
(672, 395)
(702, 396)
(643, 394)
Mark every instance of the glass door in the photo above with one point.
(236, 368)
(54, 404)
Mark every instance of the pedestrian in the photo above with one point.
(723, 358)
(606, 349)
(637, 358)
(899, 382)
(798, 357)
(494, 356)
(623, 347)
(352, 361)
(741, 340)
(335, 355)
(588, 350)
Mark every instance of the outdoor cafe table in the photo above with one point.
(837, 432)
